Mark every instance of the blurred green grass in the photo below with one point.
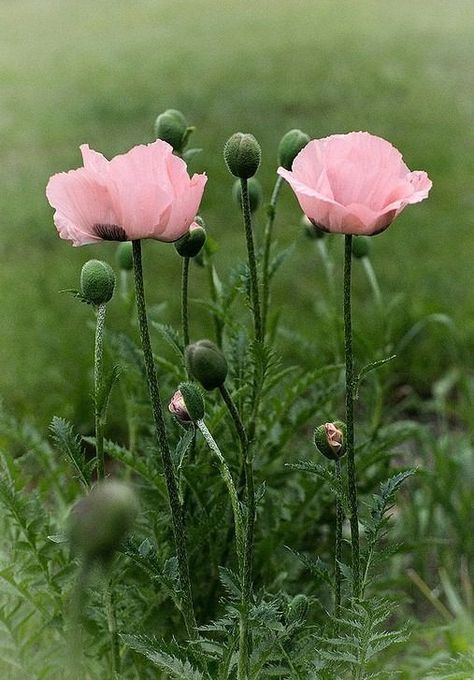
(99, 72)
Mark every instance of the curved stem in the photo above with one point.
(112, 626)
(98, 380)
(338, 551)
(218, 324)
(184, 301)
(373, 283)
(254, 294)
(162, 441)
(266, 250)
(351, 471)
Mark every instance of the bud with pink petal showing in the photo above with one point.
(187, 403)
(329, 439)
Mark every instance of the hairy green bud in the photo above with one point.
(97, 282)
(172, 127)
(361, 246)
(297, 609)
(124, 256)
(191, 243)
(290, 145)
(192, 399)
(99, 522)
(206, 363)
(329, 439)
(255, 193)
(242, 155)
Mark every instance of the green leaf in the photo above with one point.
(69, 444)
(179, 668)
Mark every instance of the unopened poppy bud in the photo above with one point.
(361, 246)
(290, 146)
(97, 282)
(172, 127)
(311, 230)
(242, 155)
(329, 439)
(297, 609)
(99, 522)
(124, 256)
(206, 363)
(191, 243)
(255, 193)
(187, 403)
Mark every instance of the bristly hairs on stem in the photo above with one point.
(267, 242)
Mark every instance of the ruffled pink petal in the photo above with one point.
(184, 209)
(95, 161)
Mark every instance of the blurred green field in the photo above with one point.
(99, 72)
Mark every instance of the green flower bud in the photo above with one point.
(99, 522)
(361, 246)
(242, 155)
(206, 363)
(124, 256)
(97, 282)
(290, 146)
(171, 126)
(255, 193)
(297, 609)
(188, 403)
(329, 439)
(310, 230)
(191, 243)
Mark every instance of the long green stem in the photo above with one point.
(338, 551)
(162, 441)
(373, 283)
(254, 293)
(218, 324)
(267, 242)
(229, 482)
(98, 379)
(351, 471)
(112, 626)
(184, 301)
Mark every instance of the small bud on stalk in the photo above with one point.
(290, 146)
(191, 243)
(329, 439)
(206, 363)
(171, 126)
(97, 282)
(99, 522)
(297, 609)
(361, 246)
(187, 404)
(242, 155)
(255, 193)
(124, 256)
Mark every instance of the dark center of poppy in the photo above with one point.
(110, 232)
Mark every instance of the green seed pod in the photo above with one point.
(171, 126)
(242, 155)
(361, 246)
(297, 609)
(191, 243)
(99, 522)
(97, 282)
(206, 363)
(193, 400)
(124, 256)
(290, 146)
(255, 193)
(329, 439)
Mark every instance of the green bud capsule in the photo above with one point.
(97, 282)
(206, 363)
(193, 400)
(171, 126)
(99, 522)
(124, 256)
(361, 246)
(191, 243)
(255, 193)
(290, 146)
(242, 155)
(329, 439)
(297, 609)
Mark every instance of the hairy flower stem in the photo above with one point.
(254, 294)
(267, 242)
(218, 323)
(351, 471)
(338, 551)
(112, 626)
(162, 441)
(184, 301)
(98, 381)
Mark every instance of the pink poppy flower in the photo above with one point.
(178, 408)
(354, 184)
(145, 193)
